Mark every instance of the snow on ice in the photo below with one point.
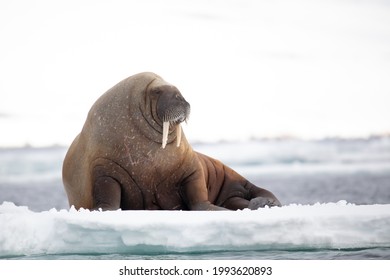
(332, 225)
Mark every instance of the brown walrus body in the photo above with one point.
(131, 154)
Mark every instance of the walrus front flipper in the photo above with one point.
(194, 192)
(195, 199)
(106, 194)
(207, 206)
(236, 203)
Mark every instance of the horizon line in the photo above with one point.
(224, 141)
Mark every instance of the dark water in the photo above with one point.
(315, 254)
(38, 196)
(359, 188)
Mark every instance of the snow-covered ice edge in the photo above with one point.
(294, 227)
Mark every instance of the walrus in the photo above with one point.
(133, 155)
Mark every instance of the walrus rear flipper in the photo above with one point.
(248, 196)
(260, 197)
(236, 192)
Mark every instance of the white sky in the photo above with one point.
(249, 68)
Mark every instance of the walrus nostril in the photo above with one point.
(172, 110)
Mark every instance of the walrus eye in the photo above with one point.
(155, 91)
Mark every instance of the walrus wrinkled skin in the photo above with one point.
(121, 159)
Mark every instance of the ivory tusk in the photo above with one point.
(165, 134)
(178, 135)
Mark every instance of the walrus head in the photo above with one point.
(172, 109)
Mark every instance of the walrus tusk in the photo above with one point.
(165, 134)
(178, 135)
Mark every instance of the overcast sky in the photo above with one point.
(249, 68)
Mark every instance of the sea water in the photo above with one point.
(336, 197)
